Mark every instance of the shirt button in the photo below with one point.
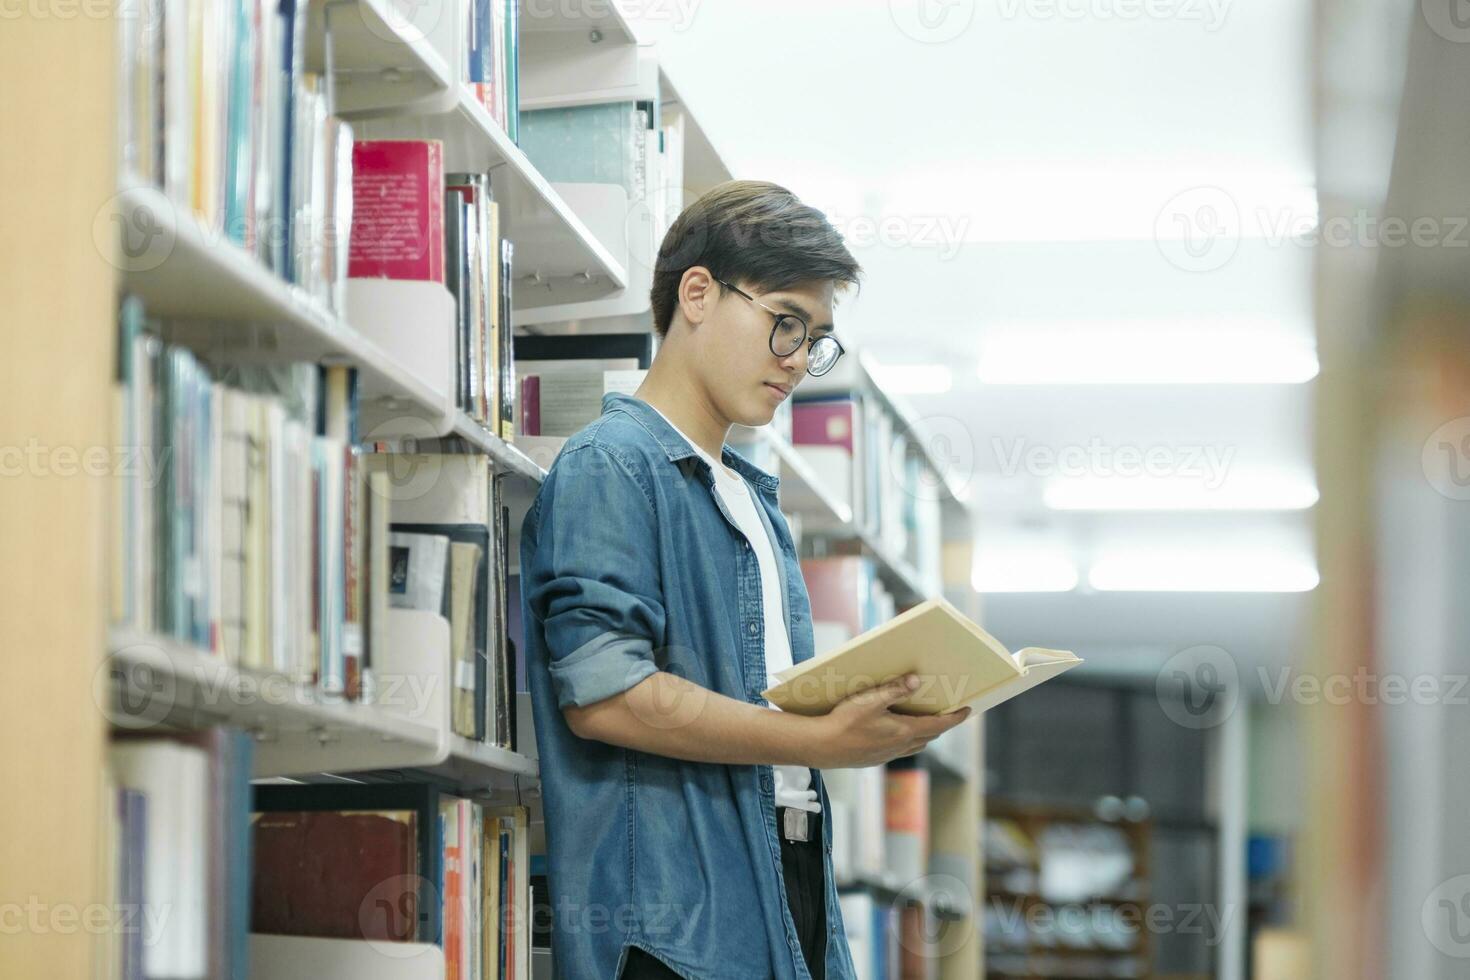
(750, 629)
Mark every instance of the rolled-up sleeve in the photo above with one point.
(594, 583)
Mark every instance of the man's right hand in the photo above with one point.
(862, 731)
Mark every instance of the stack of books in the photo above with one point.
(395, 864)
(245, 524)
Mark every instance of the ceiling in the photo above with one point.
(1018, 179)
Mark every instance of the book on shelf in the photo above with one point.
(863, 455)
(398, 210)
(492, 64)
(562, 379)
(872, 929)
(906, 821)
(614, 143)
(218, 110)
(245, 527)
(465, 504)
(958, 664)
(183, 852)
(477, 275)
(846, 593)
(395, 863)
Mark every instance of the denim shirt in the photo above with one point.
(630, 564)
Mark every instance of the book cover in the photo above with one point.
(957, 662)
(398, 210)
(348, 861)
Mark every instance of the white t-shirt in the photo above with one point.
(793, 783)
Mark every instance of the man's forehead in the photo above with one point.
(817, 314)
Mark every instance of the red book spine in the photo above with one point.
(531, 405)
(397, 210)
(824, 423)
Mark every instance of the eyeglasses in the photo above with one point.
(788, 333)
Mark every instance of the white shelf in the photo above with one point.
(577, 20)
(195, 273)
(823, 514)
(152, 680)
(503, 454)
(551, 241)
(383, 58)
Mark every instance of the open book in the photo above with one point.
(958, 663)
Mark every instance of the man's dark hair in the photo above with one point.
(752, 232)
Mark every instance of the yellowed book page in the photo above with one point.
(955, 659)
(464, 562)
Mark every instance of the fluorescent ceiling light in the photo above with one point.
(1023, 571)
(914, 379)
(1203, 571)
(1243, 491)
(1173, 352)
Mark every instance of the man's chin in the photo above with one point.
(758, 417)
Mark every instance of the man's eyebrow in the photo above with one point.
(792, 306)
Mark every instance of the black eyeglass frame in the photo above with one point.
(805, 331)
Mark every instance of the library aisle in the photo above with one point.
(431, 430)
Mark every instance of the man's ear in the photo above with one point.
(698, 292)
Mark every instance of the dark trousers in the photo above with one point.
(802, 867)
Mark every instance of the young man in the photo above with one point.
(687, 824)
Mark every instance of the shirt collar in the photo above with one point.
(675, 446)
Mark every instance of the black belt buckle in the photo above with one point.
(795, 824)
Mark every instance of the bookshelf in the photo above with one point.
(1036, 935)
(390, 79)
(382, 58)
